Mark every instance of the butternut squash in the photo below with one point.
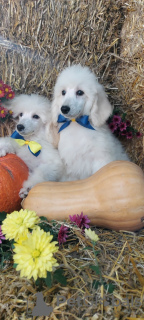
(112, 198)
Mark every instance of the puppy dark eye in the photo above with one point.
(63, 93)
(35, 116)
(79, 93)
(21, 114)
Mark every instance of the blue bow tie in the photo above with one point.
(83, 121)
(34, 147)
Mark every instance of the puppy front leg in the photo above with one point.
(35, 177)
(8, 145)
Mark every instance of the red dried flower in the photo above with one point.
(2, 93)
(7, 88)
(10, 95)
(3, 112)
(80, 220)
(62, 235)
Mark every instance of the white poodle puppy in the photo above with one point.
(81, 108)
(29, 141)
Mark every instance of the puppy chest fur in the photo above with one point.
(85, 151)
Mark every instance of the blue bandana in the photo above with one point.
(83, 121)
(34, 147)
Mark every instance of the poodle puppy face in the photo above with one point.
(77, 93)
(29, 123)
(33, 111)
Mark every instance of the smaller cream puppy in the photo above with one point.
(80, 108)
(29, 141)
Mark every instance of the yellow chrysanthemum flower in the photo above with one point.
(18, 222)
(92, 235)
(22, 237)
(34, 256)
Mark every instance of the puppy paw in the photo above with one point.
(5, 150)
(2, 152)
(24, 192)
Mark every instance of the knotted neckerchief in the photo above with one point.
(83, 121)
(34, 147)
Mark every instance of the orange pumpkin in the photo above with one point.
(13, 172)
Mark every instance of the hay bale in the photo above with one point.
(39, 38)
(129, 76)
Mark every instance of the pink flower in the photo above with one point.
(3, 112)
(10, 95)
(81, 221)
(112, 126)
(2, 237)
(116, 119)
(129, 135)
(122, 126)
(138, 134)
(7, 88)
(62, 235)
(2, 93)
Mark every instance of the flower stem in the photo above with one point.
(93, 243)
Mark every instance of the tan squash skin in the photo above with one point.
(112, 198)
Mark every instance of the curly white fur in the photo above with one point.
(84, 151)
(47, 165)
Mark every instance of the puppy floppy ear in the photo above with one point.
(101, 109)
(52, 134)
(55, 110)
(12, 105)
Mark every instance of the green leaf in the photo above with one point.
(123, 116)
(48, 279)
(7, 255)
(87, 248)
(96, 269)
(37, 282)
(109, 287)
(96, 284)
(97, 252)
(2, 262)
(43, 218)
(3, 215)
(59, 277)
(15, 265)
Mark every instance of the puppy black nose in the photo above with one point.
(65, 109)
(20, 127)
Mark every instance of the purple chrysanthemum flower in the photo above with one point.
(123, 133)
(129, 135)
(112, 126)
(138, 134)
(128, 124)
(2, 237)
(62, 235)
(116, 119)
(123, 126)
(80, 220)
